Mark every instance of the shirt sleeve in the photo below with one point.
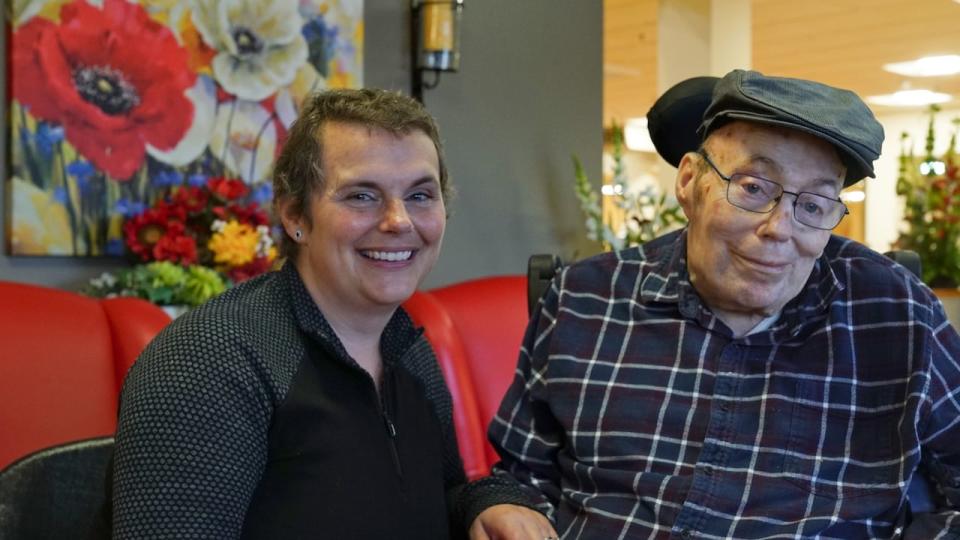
(191, 438)
(524, 432)
(940, 437)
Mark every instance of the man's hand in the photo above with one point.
(511, 522)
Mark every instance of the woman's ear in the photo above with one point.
(291, 220)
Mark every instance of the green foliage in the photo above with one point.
(162, 283)
(930, 188)
(647, 212)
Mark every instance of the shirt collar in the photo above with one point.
(668, 281)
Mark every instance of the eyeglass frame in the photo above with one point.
(776, 200)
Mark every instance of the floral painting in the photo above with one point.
(114, 103)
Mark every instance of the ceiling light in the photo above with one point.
(636, 136)
(909, 98)
(928, 66)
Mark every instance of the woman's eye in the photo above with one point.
(361, 196)
(421, 196)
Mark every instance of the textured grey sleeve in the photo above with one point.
(191, 442)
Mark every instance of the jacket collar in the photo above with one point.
(398, 336)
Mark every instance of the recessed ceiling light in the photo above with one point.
(928, 66)
(909, 98)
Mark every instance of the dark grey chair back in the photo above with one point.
(56, 493)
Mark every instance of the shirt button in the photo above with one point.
(685, 533)
(708, 470)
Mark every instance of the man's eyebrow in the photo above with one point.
(760, 159)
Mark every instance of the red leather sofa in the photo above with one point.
(63, 357)
(475, 328)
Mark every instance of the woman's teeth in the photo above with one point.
(392, 256)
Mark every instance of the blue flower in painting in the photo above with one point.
(60, 195)
(197, 180)
(321, 42)
(82, 171)
(80, 168)
(127, 208)
(167, 178)
(114, 247)
(262, 193)
(46, 137)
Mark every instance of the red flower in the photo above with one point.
(228, 189)
(176, 248)
(142, 232)
(113, 78)
(253, 268)
(191, 199)
(251, 214)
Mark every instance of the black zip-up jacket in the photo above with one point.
(247, 418)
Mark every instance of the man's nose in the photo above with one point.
(779, 223)
(395, 217)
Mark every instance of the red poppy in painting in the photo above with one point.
(113, 78)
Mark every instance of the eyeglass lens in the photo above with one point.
(761, 195)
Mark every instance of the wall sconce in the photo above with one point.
(435, 32)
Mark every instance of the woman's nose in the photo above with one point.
(395, 217)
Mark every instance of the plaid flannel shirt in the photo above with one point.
(635, 413)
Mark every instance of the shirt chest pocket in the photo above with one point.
(844, 441)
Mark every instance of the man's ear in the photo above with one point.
(687, 173)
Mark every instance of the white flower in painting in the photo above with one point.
(194, 142)
(258, 42)
(244, 139)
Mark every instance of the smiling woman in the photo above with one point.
(312, 382)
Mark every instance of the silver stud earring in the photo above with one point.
(298, 235)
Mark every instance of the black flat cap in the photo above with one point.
(686, 113)
(675, 116)
(837, 116)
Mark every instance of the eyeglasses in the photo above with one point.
(757, 194)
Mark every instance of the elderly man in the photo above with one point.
(751, 376)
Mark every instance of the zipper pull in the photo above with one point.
(391, 429)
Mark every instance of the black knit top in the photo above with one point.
(247, 418)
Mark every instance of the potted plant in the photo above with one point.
(930, 187)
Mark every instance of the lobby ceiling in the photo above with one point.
(840, 42)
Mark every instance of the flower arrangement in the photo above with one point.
(163, 283)
(195, 241)
(930, 188)
(646, 213)
(113, 102)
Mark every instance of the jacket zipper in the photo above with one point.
(388, 424)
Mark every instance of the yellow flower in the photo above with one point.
(233, 243)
